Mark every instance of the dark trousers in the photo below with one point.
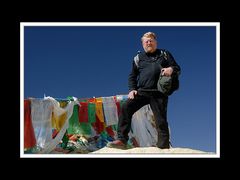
(158, 104)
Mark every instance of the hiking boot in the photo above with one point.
(163, 144)
(166, 147)
(117, 144)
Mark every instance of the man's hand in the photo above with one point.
(167, 71)
(131, 94)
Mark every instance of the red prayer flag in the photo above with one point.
(29, 136)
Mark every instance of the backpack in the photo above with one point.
(166, 84)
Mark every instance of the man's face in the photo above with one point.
(149, 44)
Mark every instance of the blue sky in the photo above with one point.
(87, 61)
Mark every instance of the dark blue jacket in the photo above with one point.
(146, 75)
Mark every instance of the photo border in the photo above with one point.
(145, 24)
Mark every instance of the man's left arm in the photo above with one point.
(173, 64)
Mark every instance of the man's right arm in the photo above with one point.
(132, 94)
(132, 78)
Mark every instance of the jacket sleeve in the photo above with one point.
(172, 63)
(133, 77)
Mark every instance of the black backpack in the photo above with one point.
(166, 84)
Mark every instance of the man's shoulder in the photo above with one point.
(139, 55)
(161, 51)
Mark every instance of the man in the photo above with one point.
(142, 84)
